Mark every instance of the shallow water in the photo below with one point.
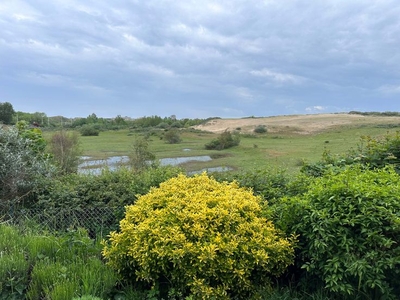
(210, 170)
(181, 160)
(95, 166)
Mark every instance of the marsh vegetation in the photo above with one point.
(320, 210)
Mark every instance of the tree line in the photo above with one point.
(9, 116)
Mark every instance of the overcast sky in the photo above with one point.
(199, 58)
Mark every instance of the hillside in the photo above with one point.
(300, 124)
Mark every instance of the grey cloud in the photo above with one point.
(230, 57)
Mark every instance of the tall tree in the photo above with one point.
(6, 112)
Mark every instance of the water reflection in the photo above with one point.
(210, 170)
(181, 160)
(94, 167)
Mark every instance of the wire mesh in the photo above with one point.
(99, 221)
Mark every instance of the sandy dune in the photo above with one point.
(300, 124)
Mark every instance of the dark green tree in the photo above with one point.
(119, 120)
(6, 112)
(92, 119)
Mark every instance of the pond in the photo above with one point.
(89, 166)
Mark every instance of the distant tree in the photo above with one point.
(6, 112)
(119, 120)
(77, 122)
(66, 151)
(147, 121)
(92, 119)
(39, 118)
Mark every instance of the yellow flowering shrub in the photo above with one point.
(206, 238)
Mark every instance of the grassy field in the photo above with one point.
(283, 148)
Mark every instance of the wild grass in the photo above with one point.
(284, 149)
(39, 265)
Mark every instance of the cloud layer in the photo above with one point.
(199, 58)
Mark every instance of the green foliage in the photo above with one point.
(203, 237)
(110, 188)
(89, 130)
(65, 151)
(163, 125)
(151, 121)
(92, 119)
(172, 136)
(119, 120)
(78, 195)
(376, 113)
(6, 112)
(225, 140)
(39, 118)
(269, 183)
(371, 152)
(41, 266)
(141, 157)
(350, 233)
(22, 164)
(87, 297)
(260, 129)
(13, 265)
(34, 137)
(378, 152)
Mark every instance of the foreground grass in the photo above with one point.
(35, 265)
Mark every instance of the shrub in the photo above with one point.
(65, 150)
(350, 234)
(110, 188)
(176, 124)
(163, 125)
(172, 136)
(89, 130)
(371, 153)
(206, 238)
(78, 197)
(224, 140)
(270, 183)
(141, 157)
(22, 163)
(260, 129)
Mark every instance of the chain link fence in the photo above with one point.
(97, 221)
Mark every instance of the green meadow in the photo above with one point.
(278, 149)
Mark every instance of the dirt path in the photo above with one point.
(300, 124)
